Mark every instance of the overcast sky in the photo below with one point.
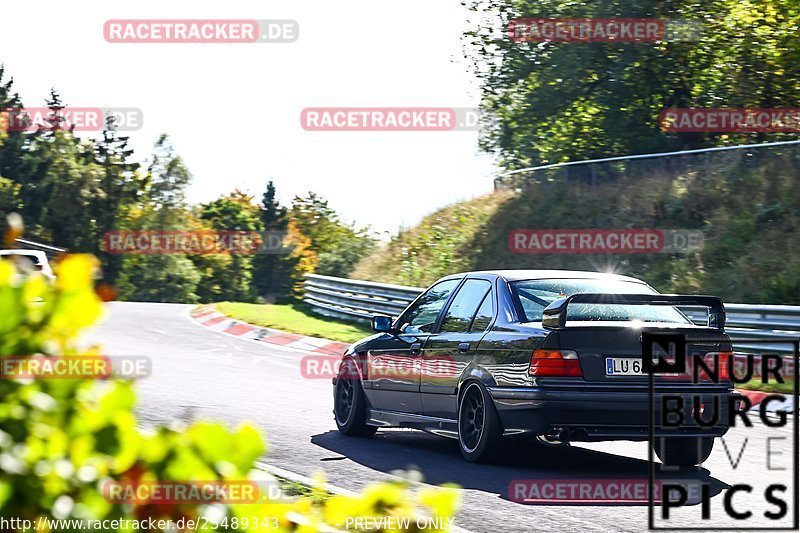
(233, 110)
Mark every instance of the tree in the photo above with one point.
(162, 206)
(272, 272)
(339, 246)
(71, 191)
(158, 278)
(273, 215)
(302, 259)
(58, 193)
(232, 276)
(553, 102)
(119, 188)
(16, 161)
(9, 190)
(165, 183)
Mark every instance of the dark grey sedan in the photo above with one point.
(552, 355)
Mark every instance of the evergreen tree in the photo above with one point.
(271, 271)
(15, 160)
(119, 188)
(58, 192)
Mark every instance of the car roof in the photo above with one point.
(519, 275)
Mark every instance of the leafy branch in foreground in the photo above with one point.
(63, 440)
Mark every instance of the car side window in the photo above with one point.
(484, 315)
(422, 316)
(465, 304)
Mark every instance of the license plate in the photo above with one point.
(623, 366)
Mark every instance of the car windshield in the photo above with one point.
(533, 296)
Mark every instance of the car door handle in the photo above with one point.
(415, 348)
(463, 347)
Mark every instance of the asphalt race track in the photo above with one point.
(199, 373)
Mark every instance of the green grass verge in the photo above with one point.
(294, 318)
(303, 491)
(787, 387)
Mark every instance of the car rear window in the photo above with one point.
(532, 296)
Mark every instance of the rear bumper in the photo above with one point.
(611, 414)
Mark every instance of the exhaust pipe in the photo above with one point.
(556, 437)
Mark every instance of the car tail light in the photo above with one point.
(555, 363)
(719, 361)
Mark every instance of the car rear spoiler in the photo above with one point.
(555, 315)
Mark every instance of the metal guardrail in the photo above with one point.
(359, 300)
(354, 299)
(515, 178)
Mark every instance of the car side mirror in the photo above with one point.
(382, 323)
(554, 315)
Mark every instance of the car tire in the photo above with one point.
(349, 404)
(480, 434)
(683, 451)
